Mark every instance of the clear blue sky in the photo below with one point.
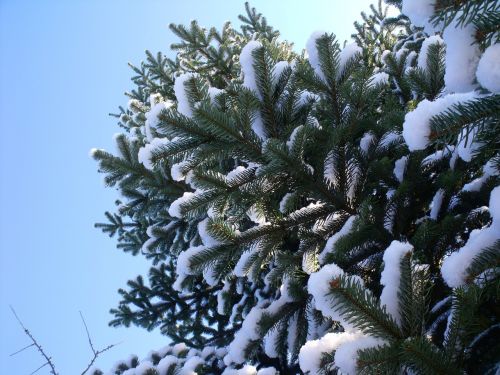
(62, 70)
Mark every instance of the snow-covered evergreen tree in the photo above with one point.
(331, 212)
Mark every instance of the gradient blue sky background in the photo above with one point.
(63, 68)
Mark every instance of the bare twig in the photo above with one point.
(20, 350)
(48, 360)
(95, 352)
(38, 346)
(39, 368)
(87, 331)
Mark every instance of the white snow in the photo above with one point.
(353, 182)
(258, 126)
(190, 365)
(389, 138)
(292, 331)
(476, 184)
(467, 145)
(391, 276)
(249, 328)
(230, 371)
(490, 169)
(239, 269)
(270, 340)
(495, 205)
(284, 201)
(143, 367)
(278, 69)
(146, 246)
(400, 167)
(418, 11)
(165, 363)
(237, 308)
(291, 140)
(462, 57)
(220, 297)
(330, 169)
(453, 159)
(247, 370)
(455, 266)
(366, 141)
(207, 351)
(135, 105)
(155, 99)
(436, 203)
(440, 304)
(438, 155)
(94, 151)
(312, 52)
(179, 348)
(127, 363)
(175, 208)
(267, 371)
(347, 354)
(309, 262)
(256, 216)
(145, 152)
(152, 119)
(183, 268)
(319, 287)
(400, 53)
(183, 105)
(422, 57)
(488, 69)
(213, 92)
(246, 61)
(210, 276)
(390, 194)
(330, 244)
(380, 78)
(235, 172)
(320, 224)
(311, 352)
(350, 51)
(306, 96)
(385, 55)
(410, 60)
(206, 238)
(416, 127)
(392, 11)
(177, 171)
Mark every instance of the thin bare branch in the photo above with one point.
(96, 352)
(38, 346)
(20, 350)
(39, 368)
(88, 334)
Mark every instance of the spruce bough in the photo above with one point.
(335, 213)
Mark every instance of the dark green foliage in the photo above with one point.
(157, 305)
(360, 308)
(475, 120)
(242, 200)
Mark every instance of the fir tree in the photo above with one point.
(335, 213)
